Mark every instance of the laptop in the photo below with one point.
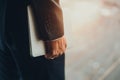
(36, 46)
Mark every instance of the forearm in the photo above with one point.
(49, 19)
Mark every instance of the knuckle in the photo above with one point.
(54, 53)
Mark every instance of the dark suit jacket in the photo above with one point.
(14, 27)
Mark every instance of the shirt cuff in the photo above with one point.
(55, 39)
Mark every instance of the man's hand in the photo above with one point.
(55, 48)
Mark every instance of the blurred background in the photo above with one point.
(92, 29)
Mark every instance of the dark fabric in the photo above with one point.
(48, 69)
(8, 68)
(3, 4)
(49, 19)
(15, 57)
(38, 69)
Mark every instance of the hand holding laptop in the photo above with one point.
(55, 48)
(51, 49)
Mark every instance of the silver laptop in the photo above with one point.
(36, 46)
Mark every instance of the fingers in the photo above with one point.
(54, 54)
(56, 48)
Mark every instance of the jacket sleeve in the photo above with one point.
(48, 18)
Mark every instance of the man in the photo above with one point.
(15, 60)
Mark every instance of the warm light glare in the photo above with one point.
(81, 12)
(85, 12)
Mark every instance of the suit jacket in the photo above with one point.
(14, 27)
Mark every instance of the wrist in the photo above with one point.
(54, 39)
